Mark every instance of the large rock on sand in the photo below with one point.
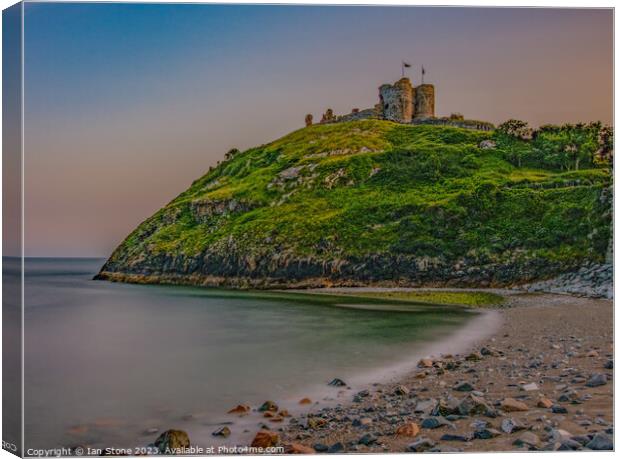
(265, 439)
(421, 445)
(172, 441)
(510, 404)
(240, 409)
(410, 429)
(472, 405)
(601, 442)
(597, 379)
(268, 406)
(446, 407)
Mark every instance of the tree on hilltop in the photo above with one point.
(516, 129)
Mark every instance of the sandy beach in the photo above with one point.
(542, 381)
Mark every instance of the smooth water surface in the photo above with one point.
(106, 361)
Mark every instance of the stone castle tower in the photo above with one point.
(401, 102)
(396, 101)
(424, 101)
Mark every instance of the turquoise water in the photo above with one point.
(106, 361)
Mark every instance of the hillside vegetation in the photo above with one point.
(375, 202)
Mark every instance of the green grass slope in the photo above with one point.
(371, 202)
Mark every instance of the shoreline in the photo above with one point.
(483, 323)
(534, 373)
(530, 388)
(478, 328)
(313, 284)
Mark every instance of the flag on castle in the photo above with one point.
(405, 65)
(423, 73)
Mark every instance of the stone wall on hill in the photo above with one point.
(462, 123)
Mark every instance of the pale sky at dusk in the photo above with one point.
(126, 105)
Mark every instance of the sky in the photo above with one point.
(127, 104)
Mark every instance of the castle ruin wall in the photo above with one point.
(424, 101)
(397, 101)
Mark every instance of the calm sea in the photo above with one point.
(105, 362)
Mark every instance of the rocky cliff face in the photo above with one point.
(371, 202)
(592, 280)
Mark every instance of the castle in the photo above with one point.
(401, 102)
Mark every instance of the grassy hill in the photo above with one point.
(373, 202)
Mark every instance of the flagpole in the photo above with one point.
(402, 69)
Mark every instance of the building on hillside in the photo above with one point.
(401, 102)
